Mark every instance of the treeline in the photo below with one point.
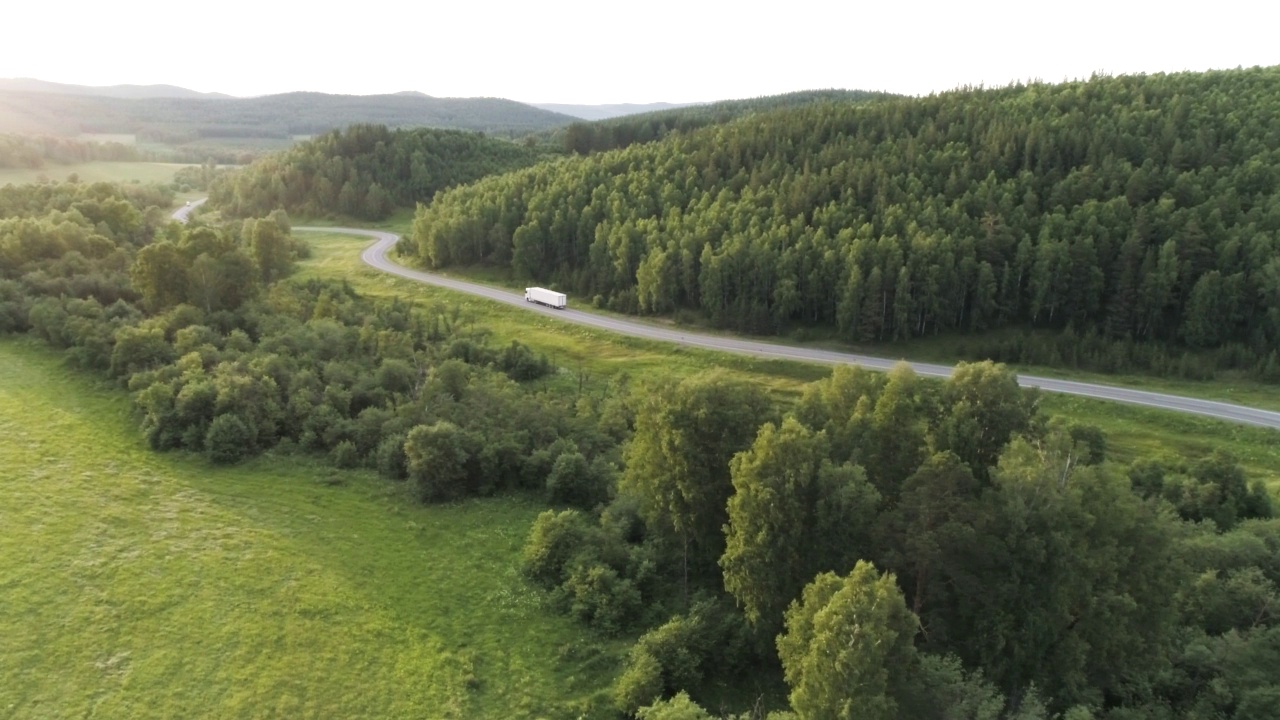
(614, 133)
(898, 548)
(35, 152)
(365, 171)
(1142, 209)
(225, 360)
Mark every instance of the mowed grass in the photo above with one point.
(119, 172)
(598, 356)
(143, 585)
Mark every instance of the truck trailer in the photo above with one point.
(542, 296)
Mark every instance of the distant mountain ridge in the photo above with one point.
(183, 119)
(604, 112)
(129, 92)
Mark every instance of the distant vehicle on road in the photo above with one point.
(542, 296)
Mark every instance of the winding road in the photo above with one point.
(376, 256)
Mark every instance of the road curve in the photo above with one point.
(376, 256)
(181, 213)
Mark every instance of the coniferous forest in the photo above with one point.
(365, 171)
(1134, 217)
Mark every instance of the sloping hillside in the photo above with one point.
(1140, 212)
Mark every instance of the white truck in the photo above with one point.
(542, 296)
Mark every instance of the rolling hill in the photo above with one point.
(132, 92)
(172, 120)
(606, 111)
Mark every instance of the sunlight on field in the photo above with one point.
(143, 585)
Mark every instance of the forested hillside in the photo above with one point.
(1135, 216)
(614, 133)
(365, 171)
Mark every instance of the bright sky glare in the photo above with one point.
(593, 51)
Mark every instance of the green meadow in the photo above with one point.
(142, 585)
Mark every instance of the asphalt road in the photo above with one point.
(376, 256)
(181, 213)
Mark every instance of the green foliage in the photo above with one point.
(1212, 488)
(553, 542)
(847, 652)
(365, 171)
(1129, 217)
(679, 707)
(620, 132)
(598, 596)
(673, 657)
(229, 439)
(942, 690)
(345, 455)
(437, 457)
(677, 461)
(792, 515)
(572, 482)
(986, 409)
(1103, 565)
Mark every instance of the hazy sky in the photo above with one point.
(639, 51)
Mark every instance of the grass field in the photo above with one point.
(140, 585)
(1132, 431)
(122, 172)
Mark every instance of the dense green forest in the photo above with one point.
(173, 121)
(620, 132)
(883, 547)
(365, 171)
(1133, 218)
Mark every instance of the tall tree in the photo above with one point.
(677, 462)
(847, 652)
(793, 514)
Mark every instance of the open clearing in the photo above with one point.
(144, 585)
(121, 172)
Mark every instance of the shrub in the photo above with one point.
(600, 598)
(553, 541)
(390, 458)
(572, 482)
(345, 455)
(229, 439)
